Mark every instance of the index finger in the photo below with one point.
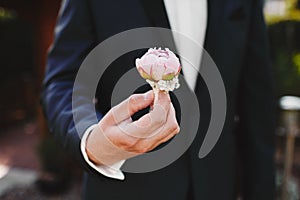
(155, 119)
(128, 107)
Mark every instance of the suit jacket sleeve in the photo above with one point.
(256, 112)
(74, 38)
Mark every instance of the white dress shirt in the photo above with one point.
(189, 18)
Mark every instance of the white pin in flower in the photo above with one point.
(160, 68)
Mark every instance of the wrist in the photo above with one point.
(90, 148)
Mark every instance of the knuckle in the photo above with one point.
(177, 130)
(159, 120)
(141, 149)
(174, 128)
(127, 143)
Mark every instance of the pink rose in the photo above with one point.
(158, 64)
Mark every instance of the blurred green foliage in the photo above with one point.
(284, 32)
(296, 61)
(287, 73)
(6, 14)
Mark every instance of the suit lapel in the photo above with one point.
(157, 15)
(156, 12)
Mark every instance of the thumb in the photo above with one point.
(131, 105)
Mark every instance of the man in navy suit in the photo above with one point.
(235, 38)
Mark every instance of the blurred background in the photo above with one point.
(32, 166)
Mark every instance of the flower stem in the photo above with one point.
(156, 91)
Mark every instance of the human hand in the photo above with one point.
(117, 137)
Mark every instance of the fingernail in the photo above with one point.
(134, 99)
(148, 95)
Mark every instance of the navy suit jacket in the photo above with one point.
(242, 160)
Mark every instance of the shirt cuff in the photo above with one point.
(111, 171)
